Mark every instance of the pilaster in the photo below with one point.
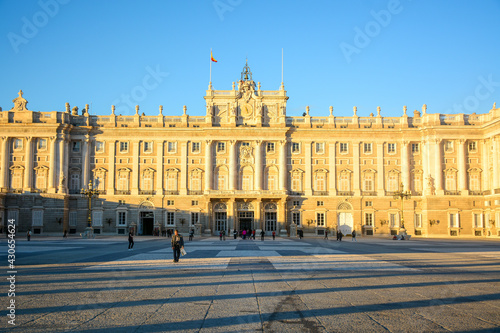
(356, 167)
(184, 168)
(28, 171)
(111, 167)
(258, 165)
(308, 167)
(232, 165)
(51, 187)
(159, 168)
(380, 169)
(283, 166)
(135, 168)
(462, 168)
(438, 167)
(208, 165)
(4, 160)
(332, 184)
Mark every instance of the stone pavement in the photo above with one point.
(286, 285)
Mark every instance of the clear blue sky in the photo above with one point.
(339, 53)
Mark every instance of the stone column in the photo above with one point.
(134, 188)
(51, 188)
(332, 184)
(184, 168)
(4, 156)
(282, 219)
(28, 171)
(485, 162)
(425, 170)
(462, 168)
(63, 170)
(85, 162)
(258, 165)
(257, 216)
(495, 165)
(356, 166)
(232, 166)
(308, 166)
(438, 167)
(283, 166)
(111, 167)
(159, 168)
(405, 165)
(208, 166)
(380, 169)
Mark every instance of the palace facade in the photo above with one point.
(246, 164)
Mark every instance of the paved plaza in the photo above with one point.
(286, 285)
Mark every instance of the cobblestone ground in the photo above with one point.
(286, 285)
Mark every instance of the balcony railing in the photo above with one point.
(122, 192)
(476, 192)
(170, 192)
(345, 193)
(369, 193)
(147, 192)
(296, 193)
(320, 192)
(451, 192)
(191, 192)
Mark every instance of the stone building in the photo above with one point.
(246, 164)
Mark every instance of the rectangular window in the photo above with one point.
(475, 183)
(97, 218)
(170, 202)
(170, 218)
(344, 148)
(391, 148)
(453, 220)
(295, 147)
(37, 218)
(296, 203)
(393, 220)
(123, 181)
(220, 221)
(368, 203)
(195, 147)
(478, 221)
(42, 144)
(195, 218)
(194, 202)
(320, 203)
(418, 220)
(448, 146)
(472, 146)
(369, 219)
(73, 219)
(367, 148)
(320, 148)
(415, 147)
(75, 146)
(221, 147)
(296, 218)
(18, 144)
(172, 147)
(245, 144)
(270, 147)
(123, 147)
(320, 182)
(368, 182)
(148, 147)
(99, 146)
(320, 219)
(497, 219)
(221, 182)
(122, 218)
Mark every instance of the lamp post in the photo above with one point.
(402, 194)
(90, 193)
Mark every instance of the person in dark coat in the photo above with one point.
(274, 235)
(177, 245)
(340, 236)
(353, 236)
(235, 233)
(262, 233)
(130, 240)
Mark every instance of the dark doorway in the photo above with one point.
(148, 220)
(245, 223)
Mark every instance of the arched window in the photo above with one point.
(221, 177)
(272, 178)
(246, 178)
(345, 180)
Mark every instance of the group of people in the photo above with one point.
(340, 235)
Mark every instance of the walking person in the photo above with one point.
(177, 245)
(244, 233)
(191, 234)
(130, 240)
(253, 234)
(274, 235)
(235, 233)
(326, 234)
(224, 235)
(340, 236)
(28, 235)
(353, 236)
(262, 233)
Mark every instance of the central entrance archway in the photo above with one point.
(245, 216)
(344, 218)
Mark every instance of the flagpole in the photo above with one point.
(282, 84)
(210, 82)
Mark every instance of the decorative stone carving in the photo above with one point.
(19, 103)
(245, 206)
(246, 155)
